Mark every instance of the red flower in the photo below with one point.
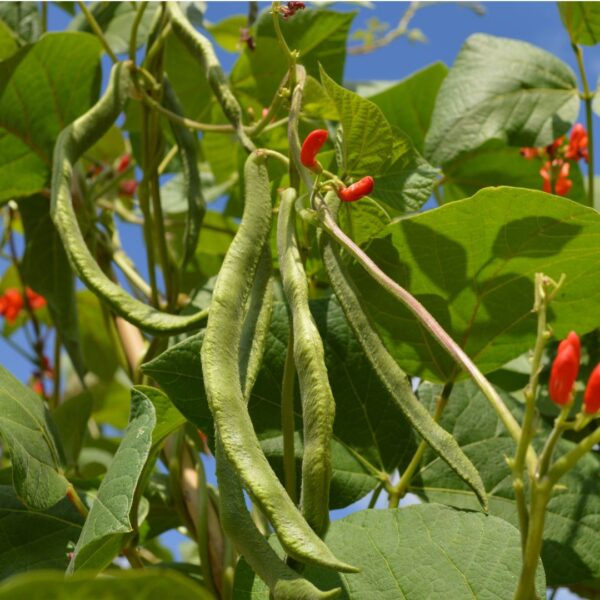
(554, 146)
(128, 187)
(35, 300)
(591, 398)
(357, 190)
(11, 303)
(124, 162)
(563, 184)
(291, 9)
(564, 370)
(530, 153)
(578, 143)
(37, 385)
(311, 147)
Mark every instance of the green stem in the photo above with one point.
(77, 502)
(97, 30)
(276, 25)
(44, 17)
(56, 383)
(587, 98)
(535, 538)
(399, 490)
(134, 29)
(133, 557)
(555, 435)
(288, 421)
(375, 495)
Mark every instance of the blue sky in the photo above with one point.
(446, 26)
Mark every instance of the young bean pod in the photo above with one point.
(388, 371)
(318, 406)
(202, 49)
(73, 141)
(188, 155)
(220, 365)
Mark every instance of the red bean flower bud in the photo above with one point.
(11, 303)
(357, 190)
(128, 187)
(312, 145)
(571, 340)
(591, 398)
(124, 163)
(564, 371)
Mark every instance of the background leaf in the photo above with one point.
(35, 451)
(501, 89)
(472, 264)
(416, 553)
(38, 98)
(582, 21)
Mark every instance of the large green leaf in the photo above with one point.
(319, 35)
(371, 146)
(409, 103)
(472, 263)
(368, 423)
(416, 553)
(495, 164)
(35, 540)
(47, 270)
(108, 523)
(35, 451)
(38, 98)
(501, 89)
(8, 45)
(582, 21)
(572, 525)
(71, 417)
(150, 584)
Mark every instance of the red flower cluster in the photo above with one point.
(555, 170)
(12, 302)
(291, 9)
(564, 374)
(128, 187)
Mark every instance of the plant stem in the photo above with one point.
(535, 535)
(97, 30)
(587, 98)
(133, 557)
(44, 17)
(555, 435)
(279, 34)
(134, 29)
(399, 490)
(77, 502)
(287, 419)
(55, 399)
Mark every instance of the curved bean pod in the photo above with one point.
(72, 142)
(220, 365)
(202, 49)
(188, 154)
(388, 371)
(284, 583)
(318, 405)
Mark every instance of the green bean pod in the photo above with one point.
(188, 153)
(388, 371)
(318, 405)
(284, 583)
(72, 142)
(202, 50)
(221, 369)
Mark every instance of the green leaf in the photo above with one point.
(495, 164)
(38, 98)
(368, 423)
(403, 179)
(71, 418)
(572, 527)
(501, 89)
(582, 21)
(115, 20)
(408, 105)
(8, 45)
(227, 32)
(23, 18)
(35, 540)
(35, 451)
(471, 264)
(47, 270)
(152, 584)
(363, 220)
(108, 523)
(416, 553)
(319, 35)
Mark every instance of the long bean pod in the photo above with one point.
(73, 141)
(284, 583)
(388, 371)
(188, 155)
(220, 364)
(318, 406)
(202, 50)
